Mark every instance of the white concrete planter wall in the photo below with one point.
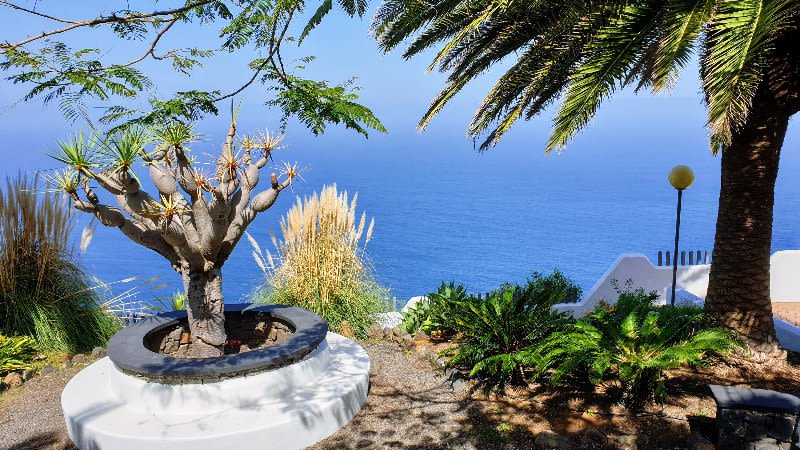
(784, 280)
(286, 408)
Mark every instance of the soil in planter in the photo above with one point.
(246, 332)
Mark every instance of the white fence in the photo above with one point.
(784, 280)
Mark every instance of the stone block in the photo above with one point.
(781, 427)
(13, 379)
(98, 352)
(375, 332)
(80, 358)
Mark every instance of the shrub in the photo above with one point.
(435, 313)
(44, 294)
(320, 263)
(498, 333)
(634, 343)
(16, 353)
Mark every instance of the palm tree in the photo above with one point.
(577, 53)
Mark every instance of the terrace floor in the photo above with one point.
(788, 311)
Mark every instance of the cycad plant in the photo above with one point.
(632, 343)
(320, 262)
(576, 54)
(498, 334)
(435, 314)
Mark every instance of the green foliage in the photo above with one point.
(78, 152)
(76, 78)
(435, 313)
(16, 353)
(43, 292)
(579, 54)
(498, 333)
(316, 103)
(634, 343)
(178, 302)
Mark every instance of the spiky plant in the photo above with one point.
(196, 222)
(575, 54)
(16, 353)
(498, 332)
(124, 147)
(633, 344)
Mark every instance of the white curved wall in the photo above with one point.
(643, 274)
(784, 278)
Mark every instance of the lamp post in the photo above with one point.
(680, 177)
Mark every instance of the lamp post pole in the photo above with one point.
(675, 254)
(680, 177)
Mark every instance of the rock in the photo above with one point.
(397, 332)
(244, 348)
(441, 362)
(375, 331)
(592, 437)
(12, 379)
(408, 343)
(551, 440)
(421, 336)
(699, 442)
(346, 330)
(66, 364)
(412, 303)
(27, 375)
(98, 352)
(186, 338)
(47, 370)
(632, 440)
(459, 384)
(80, 358)
(389, 319)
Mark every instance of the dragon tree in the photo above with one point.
(196, 218)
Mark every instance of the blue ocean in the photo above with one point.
(444, 211)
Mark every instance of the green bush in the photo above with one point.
(497, 334)
(435, 313)
(634, 343)
(44, 293)
(16, 353)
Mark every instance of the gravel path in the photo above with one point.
(408, 407)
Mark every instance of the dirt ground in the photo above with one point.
(411, 406)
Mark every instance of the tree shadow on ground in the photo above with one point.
(48, 440)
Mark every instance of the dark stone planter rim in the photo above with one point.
(127, 349)
(761, 400)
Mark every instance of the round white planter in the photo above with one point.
(287, 408)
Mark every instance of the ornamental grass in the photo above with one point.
(320, 262)
(44, 293)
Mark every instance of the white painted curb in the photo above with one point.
(287, 408)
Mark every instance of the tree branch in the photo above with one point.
(103, 20)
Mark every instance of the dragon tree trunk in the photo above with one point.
(205, 308)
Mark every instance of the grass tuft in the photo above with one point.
(320, 262)
(44, 293)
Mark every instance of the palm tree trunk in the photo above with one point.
(205, 308)
(738, 289)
